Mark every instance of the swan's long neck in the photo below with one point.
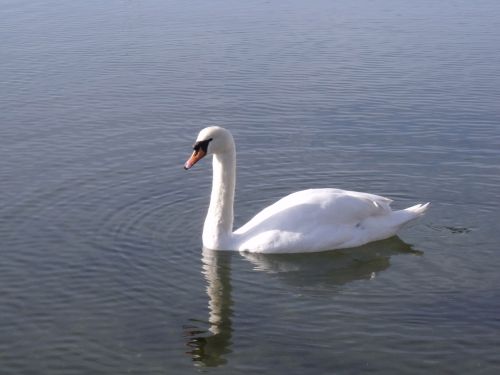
(217, 231)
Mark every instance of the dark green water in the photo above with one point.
(101, 266)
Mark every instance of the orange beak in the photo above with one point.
(195, 157)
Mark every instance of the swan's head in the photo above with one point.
(211, 140)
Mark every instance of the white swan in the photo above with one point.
(304, 221)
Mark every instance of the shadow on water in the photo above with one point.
(326, 271)
(311, 272)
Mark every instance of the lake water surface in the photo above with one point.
(101, 265)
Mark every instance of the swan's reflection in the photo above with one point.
(311, 272)
(326, 271)
(209, 348)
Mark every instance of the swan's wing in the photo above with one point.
(309, 209)
(314, 220)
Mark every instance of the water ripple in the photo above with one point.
(102, 269)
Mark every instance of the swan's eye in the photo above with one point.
(203, 145)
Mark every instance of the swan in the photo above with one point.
(305, 221)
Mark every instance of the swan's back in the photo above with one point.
(316, 220)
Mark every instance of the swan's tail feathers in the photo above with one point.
(418, 209)
(410, 214)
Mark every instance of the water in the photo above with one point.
(101, 266)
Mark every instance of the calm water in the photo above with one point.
(101, 266)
